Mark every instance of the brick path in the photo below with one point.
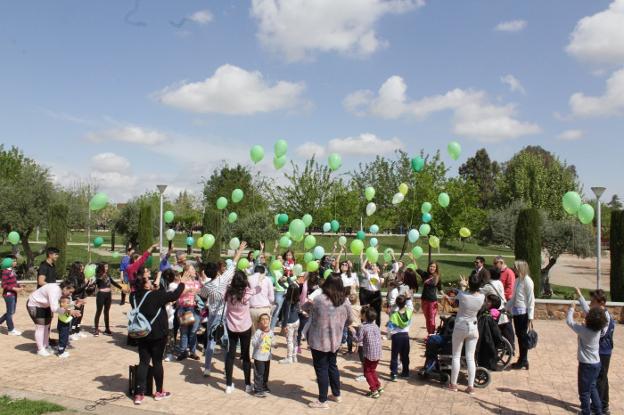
(98, 368)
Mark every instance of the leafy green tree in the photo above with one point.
(127, 223)
(616, 248)
(500, 225)
(615, 202)
(528, 244)
(187, 209)
(225, 179)
(57, 234)
(482, 172)
(254, 228)
(213, 223)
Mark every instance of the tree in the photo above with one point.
(57, 234)
(127, 223)
(213, 223)
(25, 194)
(483, 172)
(615, 202)
(539, 179)
(500, 225)
(187, 209)
(225, 179)
(528, 244)
(616, 246)
(146, 226)
(255, 228)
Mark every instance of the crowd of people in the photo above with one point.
(191, 304)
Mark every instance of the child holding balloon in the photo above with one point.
(370, 288)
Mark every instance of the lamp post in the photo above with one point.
(161, 189)
(598, 191)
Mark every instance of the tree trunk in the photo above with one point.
(112, 240)
(30, 256)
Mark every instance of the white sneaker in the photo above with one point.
(15, 332)
(83, 334)
(64, 355)
(229, 389)
(50, 349)
(360, 378)
(43, 353)
(206, 373)
(285, 361)
(249, 389)
(169, 358)
(75, 336)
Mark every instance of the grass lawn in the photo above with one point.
(10, 406)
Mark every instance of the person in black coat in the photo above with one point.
(152, 347)
(490, 338)
(77, 279)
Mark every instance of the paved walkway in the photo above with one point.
(98, 368)
(580, 272)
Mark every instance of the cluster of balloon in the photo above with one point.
(98, 201)
(573, 205)
(334, 161)
(279, 157)
(454, 150)
(256, 153)
(98, 241)
(14, 238)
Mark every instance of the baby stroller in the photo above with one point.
(439, 356)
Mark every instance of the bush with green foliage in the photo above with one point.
(616, 247)
(57, 234)
(528, 244)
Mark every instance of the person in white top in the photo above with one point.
(42, 304)
(370, 288)
(522, 306)
(466, 330)
(350, 279)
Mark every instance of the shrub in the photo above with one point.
(616, 246)
(528, 244)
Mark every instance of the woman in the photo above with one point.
(349, 278)
(466, 330)
(329, 314)
(521, 305)
(77, 279)
(429, 299)
(103, 298)
(187, 307)
(41, 305)
(370, 289)
(152, 347)
(238, 322)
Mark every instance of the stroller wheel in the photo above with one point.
(482, 378)
(445, 378)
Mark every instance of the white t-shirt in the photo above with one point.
(350, 280)
(46, 296)
(372, 281)
(469, 305)
(315, 294)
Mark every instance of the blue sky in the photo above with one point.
(130, 94)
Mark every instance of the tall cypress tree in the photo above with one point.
(57, 234)
(146, 227)
(616, 246)
(213, 223)
(528, 244)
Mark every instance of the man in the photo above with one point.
(46, 274)
(507, 276)
(480, 270)
(123, 266)
(262, 297)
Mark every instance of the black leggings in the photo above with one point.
(521, 324)
(75, 323)
(372, 299)
(151, 351)
(103, 301)
(245, 340)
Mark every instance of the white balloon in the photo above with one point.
(413, 235)
(397, 198)
(170, 234)
(370, 208)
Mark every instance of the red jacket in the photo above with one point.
(508, 278)
(134, 267)
(9, 283)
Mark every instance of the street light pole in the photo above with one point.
(161, 189)
(598, 191)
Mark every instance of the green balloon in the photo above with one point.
(7, 263)
(222, 203)
(434, 241)
(282, 219)
(14, 238)
(372, 254)
(412, 266)
(357, 246)
(281, 147)
(308, 257)
(276, 265)
(334, 161)
(208, 240)
(360, 235)
(237, 195)
(464, 232)
(98, 241)
(571, 202)
(426, 207)
(454, 149)
(89, 271)
(149, 262)
(417, 251)
(327, 273)
(169, 216)
(424, 229)
(232, 217)
(276, 219)
(369, 193)
(387, 257)
(256, 153)
(243, 264)
(98, 201)
(279, 162)
(307, 220)
(284, 242)
(586, 214)
(312, 266)
(297, 229)
(334, 225)
(115, 255)
(418, 163)
(309, 242)
(444, 199)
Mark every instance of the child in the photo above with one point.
(493, 304)
(10, 288)
(605, 346)
(261, 343)
(64, 326)
(588, 357)
(290, 321)
(369, 336)
(172, 280)
(399, 325)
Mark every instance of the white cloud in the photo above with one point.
(363, 145)
(308, 149)
(511, 26)
(234, 91)
(513, 83)
(110, 162)
(571, 135)
(611, 103)
(600, 38)
(473, 115)
(295, 28)
(202, 17)
(129, 134)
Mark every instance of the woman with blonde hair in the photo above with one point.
(522, 305)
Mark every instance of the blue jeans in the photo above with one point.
(279, 300)
(10, 310)
(212, 323)
(63, 330)
(188, 334)
(587, 389)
